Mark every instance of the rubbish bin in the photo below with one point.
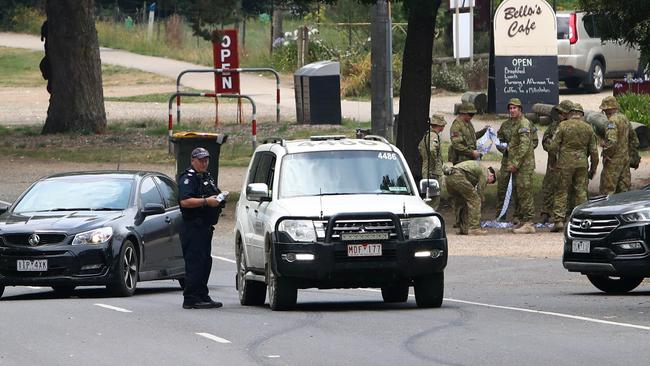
(318, 93)
(185, 142)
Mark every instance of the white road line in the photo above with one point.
(213, 338)
(550, 313)
(223, 259)
(121, 310)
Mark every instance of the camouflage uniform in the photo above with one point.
(463, 137)
(465, 184)
(615, 176)
(573, 142)
(507, 132)
(431, 156)
(521, 155)
(550, 178)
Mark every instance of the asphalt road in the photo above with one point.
(497, 311)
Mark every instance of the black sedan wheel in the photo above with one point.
(126, 277)
(615, 285)
(64, 290)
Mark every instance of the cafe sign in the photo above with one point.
(525, 47)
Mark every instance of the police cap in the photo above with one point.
(200, 153)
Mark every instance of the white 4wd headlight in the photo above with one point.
(97, 236)
(299, 230)
(421, 227)
(637, 216)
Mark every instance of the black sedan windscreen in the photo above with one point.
(76, 195)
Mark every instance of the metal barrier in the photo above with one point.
(211, 95)
(221, 71)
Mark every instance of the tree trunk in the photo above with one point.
(77, 99)
(277, 24)
(415, 90)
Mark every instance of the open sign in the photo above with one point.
(226, 56)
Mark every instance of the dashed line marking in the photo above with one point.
(213, 337)
(115, 308)
(223, 259)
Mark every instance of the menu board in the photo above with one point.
(533, 79)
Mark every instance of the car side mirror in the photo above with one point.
(429, 188)
(258, 192)
(4, 206)
(153, 209)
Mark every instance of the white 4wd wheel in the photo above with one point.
(282, 294)
(250, 292)
(596, 77)
(429, 290)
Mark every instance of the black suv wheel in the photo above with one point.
(615, 285)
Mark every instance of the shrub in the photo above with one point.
(356, 75)
(26, 20)
(459, 78)
(636, 107)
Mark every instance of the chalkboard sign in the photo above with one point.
(525, 47)
(533, 79)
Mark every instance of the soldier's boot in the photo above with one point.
(477, 231)
(525, 228)
(558, 227)
(546, 218)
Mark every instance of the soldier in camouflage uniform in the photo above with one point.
(431, 156)
(573, 142)
(463, 136)
(505, 134)
(618, 143)
(550, 178)
(465, 183)
(521, 164)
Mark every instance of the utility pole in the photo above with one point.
(381, 75)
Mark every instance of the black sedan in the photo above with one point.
(608, 240)
(108, 228)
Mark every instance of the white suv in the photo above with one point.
(584, 59)
(334, 212)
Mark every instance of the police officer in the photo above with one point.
(430, 153)
(574, 142)
(463, 136)
(466, 183)
(201, 202)
(618, 143)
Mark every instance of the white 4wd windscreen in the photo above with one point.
(343, 172)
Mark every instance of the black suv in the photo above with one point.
(607, 240)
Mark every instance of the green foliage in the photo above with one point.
(636, 107)
(460, 78)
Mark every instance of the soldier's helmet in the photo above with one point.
(514, 101)
(564, 106)
(577, 108)
(609, 103)
(467, 107)
(437, 120)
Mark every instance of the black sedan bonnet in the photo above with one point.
(68, 222)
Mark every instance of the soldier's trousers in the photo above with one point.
(467, 202)
(569, 179)
(523, 192)
(615, 177)
(548, 190)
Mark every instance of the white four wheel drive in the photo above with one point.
(333, 212)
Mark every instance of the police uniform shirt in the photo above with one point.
(192, 184)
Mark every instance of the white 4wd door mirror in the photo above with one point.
(258, 192)
(429, 188)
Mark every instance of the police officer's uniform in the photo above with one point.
(196, 234)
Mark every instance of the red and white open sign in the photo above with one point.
(226, 56)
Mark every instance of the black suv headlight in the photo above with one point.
(637, 216)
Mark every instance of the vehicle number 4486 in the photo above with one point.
(387, 156)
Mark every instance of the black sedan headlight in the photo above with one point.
(637, 216)
(93, 237)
